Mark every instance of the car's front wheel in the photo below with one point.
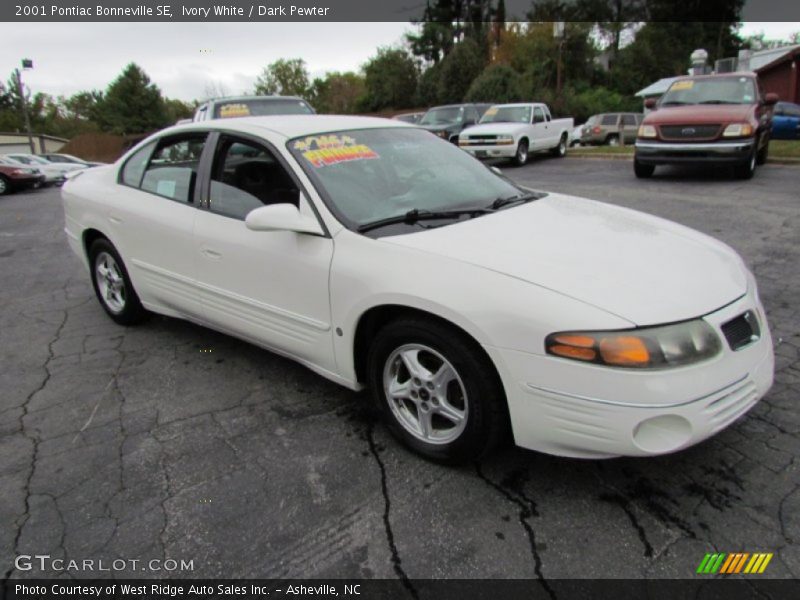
(112, 284)
(521, 157)
(436, 391)
(643, 171)
(5, 186)
(746, 170)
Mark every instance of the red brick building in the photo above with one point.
(779, 72)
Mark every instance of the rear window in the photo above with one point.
(261, 108)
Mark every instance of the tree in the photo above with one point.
(390, 80)
(448, 22)
(337, 93)
(287, 77)
(132, 104)
(458, 70)
(497, 83)
(177, 109)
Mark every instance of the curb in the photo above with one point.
(770, 160)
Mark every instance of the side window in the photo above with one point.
(609, 120)
(472, 115)
(245, 176)
(538, 115)
(629, 120)
(134, 167)
(172, 170)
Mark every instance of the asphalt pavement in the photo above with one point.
(171, 441)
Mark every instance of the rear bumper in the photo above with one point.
(26, 182)
(571, 409)
(663, 153)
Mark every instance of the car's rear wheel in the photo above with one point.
(612, 140)
(643, 171)
(436, 391)
(560, 151)
(521, 157)
(112, 284)
(747, 169)
(5, 186)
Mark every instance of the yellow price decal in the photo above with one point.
(682, 85)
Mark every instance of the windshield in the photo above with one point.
(507, 114)
(375, 174)
(261, 107)
(443, 116)
(714, 90)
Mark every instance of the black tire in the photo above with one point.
(560, 151)
(643, 171)
(484, 401)
(132, 311)
(747, 169)
(521, 157)
(761, 157)
(612, 140)
(5, 186)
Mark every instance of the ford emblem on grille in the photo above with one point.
(688, 131)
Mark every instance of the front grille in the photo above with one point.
(482, 137)
(741, 331)
(689, 132)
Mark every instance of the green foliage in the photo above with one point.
(458, 70)
(445, 23)
(497, 83)
(337, 93)
(428, 86)
(132, 104)
(390, 80)
(287, 77)
(583, 103)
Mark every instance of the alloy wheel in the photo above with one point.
(425, 393)
(110, 282)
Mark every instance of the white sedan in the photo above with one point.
(380, 256)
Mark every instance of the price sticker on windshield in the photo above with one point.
(325, 150)
(682, 85)
(227, 111)
(490, 111)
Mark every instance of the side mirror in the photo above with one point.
(281, 217)
(771, 99)
(650, 103)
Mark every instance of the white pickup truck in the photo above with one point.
(514, 131)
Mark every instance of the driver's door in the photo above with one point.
(270, 287)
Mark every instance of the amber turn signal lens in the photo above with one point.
(573, 352)
(581, 341)
(625, 351)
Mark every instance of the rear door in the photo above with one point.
(270, 287)
(629, 127)
(151, 220)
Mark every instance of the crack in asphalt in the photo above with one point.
(527, 509)
(624, 504)
(33, 438)
(397, 563)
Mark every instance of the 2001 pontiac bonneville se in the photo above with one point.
(379, 255)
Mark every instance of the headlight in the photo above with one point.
(505, 139)
(646, 348)
(738, 130)
(647, 131)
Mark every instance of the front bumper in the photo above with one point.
(724, 152)
(27, 181)
(563, 407)
(492, 151)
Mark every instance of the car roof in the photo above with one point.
(718, 75)
(242, 98)
(291, 126)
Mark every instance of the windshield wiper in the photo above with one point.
(501, 202)
(416, 214)
(673, 103)
(718, 102)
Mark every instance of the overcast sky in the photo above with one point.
(185, 59)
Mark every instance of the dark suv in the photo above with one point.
(720, 119)
(449, 120)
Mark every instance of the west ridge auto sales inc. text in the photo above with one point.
(196, 591)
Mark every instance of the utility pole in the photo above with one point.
(26, 64)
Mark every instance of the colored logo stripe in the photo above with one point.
(734, 562)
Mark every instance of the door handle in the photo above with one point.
(211, 253)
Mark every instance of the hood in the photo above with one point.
(696, 114)
(436, 128)
(494, 128)
(644, 269)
